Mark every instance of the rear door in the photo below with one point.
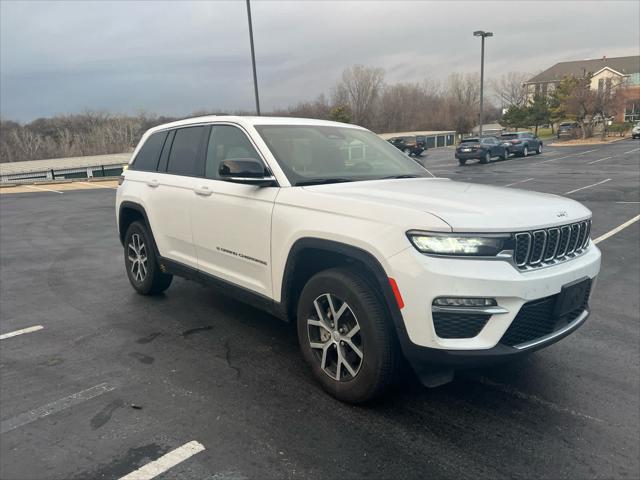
(181, 163)
(231, 221)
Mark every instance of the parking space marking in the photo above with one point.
(521, 181)
(588, 186)
(15, 333)
(554, 159)
(631, 151)
(95, 185)
(601, 160)
(627, 202)
(165, 462)
(54, 407)
(42, 189)
(611, 233)
(588, 151)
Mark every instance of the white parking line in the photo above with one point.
(631, 151)
(601, 160)
(96, 185)
(627, 202)
(554, 159)
(42, 189)
(588, 151)
(611, 233)
(54, 407)
(165, 462)
(15, 333)
(588, 186)
(521, 181)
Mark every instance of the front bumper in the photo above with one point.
(422, 278)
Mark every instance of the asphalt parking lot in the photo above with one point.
(114, 381)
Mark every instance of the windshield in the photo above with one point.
(312, 154)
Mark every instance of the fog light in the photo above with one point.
(464, 302)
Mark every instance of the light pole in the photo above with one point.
(483, 34)
(253, 59)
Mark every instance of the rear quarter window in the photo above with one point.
(147, 158)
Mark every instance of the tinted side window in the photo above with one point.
(147, 158)
(185, 158)
(225, 143)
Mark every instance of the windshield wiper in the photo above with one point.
(402, 176)
(321, 181)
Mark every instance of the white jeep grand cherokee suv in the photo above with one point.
(329, 226)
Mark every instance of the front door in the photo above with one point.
(231, 222)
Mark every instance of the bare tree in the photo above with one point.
(463, 98)
(510, 89)
(359, 90)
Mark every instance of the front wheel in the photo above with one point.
(539, 149)
(462, 162)
(345, 335)
(141, 262)
(407, 151)
(525, 151)
(505, 154)
(486, 158)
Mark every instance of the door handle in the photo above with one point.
(153, 183)
(203, 191)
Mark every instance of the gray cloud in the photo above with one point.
(177, 57)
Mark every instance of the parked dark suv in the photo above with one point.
(409, 145)
(521, 143)
(568, 129)
(483, 149)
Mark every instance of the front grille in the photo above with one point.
(458, 325)
(550, 245)
(536, 319)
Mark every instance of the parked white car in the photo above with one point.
(372, 257)
(635, 131)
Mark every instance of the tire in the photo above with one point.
(462, 162)
(525, 151)
(362, 323)
(141, 262)
(486, 159)
(539, 149)
(504, 155)
(407, 151)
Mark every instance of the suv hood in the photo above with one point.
(464, 206)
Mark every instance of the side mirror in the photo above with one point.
(246, 170)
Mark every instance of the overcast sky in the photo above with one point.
(176, 57)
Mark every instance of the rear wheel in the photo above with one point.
(407, 151)
(345, 336)
(539, 149)
(462, 162)
(141, 262)
(505, 154)
(525, 151)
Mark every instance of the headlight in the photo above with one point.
(460, 244)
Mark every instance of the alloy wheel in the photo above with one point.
(334, 337)
(137, 254)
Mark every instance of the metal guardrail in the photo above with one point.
(112, 170)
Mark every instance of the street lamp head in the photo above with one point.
(482, 33)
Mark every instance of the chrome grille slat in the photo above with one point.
(550, 245)
(553, 240)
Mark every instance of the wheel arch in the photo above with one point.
(309, 256)
(130, 212)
